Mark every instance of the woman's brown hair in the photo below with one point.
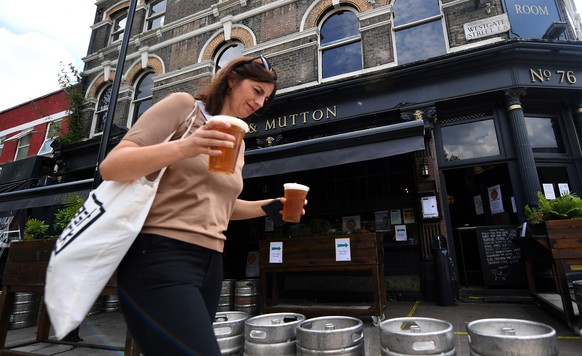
(253, 68)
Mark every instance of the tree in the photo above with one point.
(70, 81)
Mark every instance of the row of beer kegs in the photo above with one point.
(241, 331)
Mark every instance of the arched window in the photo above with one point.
(142, 98)
(101, 110)
(418, 30)
(156, 14)
(227, 53)
(119, 21)
(340, 43)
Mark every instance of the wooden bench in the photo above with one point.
(315, 255)
(25, 272)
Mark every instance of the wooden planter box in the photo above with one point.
(565, 238)
(561, 247)
(317, 255)
(25, 272)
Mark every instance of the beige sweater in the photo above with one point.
(192, 204)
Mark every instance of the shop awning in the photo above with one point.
(356, 146)
(49, 195)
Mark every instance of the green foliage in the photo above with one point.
(567, 206)
(34, 229)
(66, 214)
(319, 226)
(70, 81)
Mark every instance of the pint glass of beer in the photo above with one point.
(295, 195)
(226, 161)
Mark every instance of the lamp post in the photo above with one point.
(114, 92)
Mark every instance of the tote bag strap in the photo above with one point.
(192, 117)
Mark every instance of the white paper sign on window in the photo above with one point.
(400, 232)
(549, 191)
(564, 188)
(495, 200)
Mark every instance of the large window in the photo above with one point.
(101, 110)
(544, 134)
(340, 44)
(142, 99)
(470, 140)
(418, 30)
(156, 14)
(119, 21)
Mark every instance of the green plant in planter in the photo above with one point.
(567, 206)
(66, 214)
(35, 229)
(319, 226)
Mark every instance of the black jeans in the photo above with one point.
(168, 293)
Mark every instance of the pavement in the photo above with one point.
(107, 329)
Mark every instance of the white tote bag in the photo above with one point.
(90, 248)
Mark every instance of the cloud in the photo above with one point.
(30, 66)
(35, 37)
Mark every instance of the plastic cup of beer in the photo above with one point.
(226, 161)
(295, 195)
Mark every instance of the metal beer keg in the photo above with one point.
(417, 336)
(498, 337)
(246, 296)
(226, 301)
(331, 336)
(229, 331)
(272, 334)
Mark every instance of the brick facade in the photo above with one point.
(285, 31)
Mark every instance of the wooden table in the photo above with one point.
(318, 255)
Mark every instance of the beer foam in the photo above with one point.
(233, 121)
(296, 186)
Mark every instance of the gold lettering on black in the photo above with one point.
(562, 76)
(270, 124)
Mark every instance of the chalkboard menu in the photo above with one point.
(501, 258)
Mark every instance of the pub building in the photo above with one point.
(418, 132)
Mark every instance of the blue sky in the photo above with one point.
(37, 35)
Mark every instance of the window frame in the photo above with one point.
(565, 144)
(337, 44)
(116, 19)
(98, 111)
(469, 161)
(52, 131)
(132, 119)
(2, 141)
(417, 23)
(150, 18)
(27, 134)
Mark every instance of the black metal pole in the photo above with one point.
(114, 92)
